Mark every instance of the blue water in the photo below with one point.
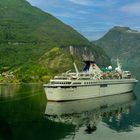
(25, 114)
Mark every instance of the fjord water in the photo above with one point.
(25, 114)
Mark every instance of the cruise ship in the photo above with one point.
(89, 83)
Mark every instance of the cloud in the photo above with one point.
(81, 2)
(133, 8)
(64, 15)
(93, 18)
(84, 12)
(96, 3)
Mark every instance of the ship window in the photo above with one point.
(65, 87)
(77, 83)
(52, 87)
(60, 82)
(103, 85)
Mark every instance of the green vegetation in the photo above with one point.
(22, 23)
(124, 43)
(34, 44)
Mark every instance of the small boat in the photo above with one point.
(90, 82)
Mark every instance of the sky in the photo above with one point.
(93, 18)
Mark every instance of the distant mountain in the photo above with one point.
(124, 43)
(34, 44)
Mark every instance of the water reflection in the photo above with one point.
(22, 115)
(90, 112)
(8, 90)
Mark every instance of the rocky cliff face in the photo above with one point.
(34, 44)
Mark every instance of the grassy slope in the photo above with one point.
(22, 23)
(33, 44)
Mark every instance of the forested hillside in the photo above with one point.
(34, 44)
(122, 43)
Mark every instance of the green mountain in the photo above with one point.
(122, 43)
(34, 44)
(22, 23)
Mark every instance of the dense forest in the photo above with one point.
(34, 44)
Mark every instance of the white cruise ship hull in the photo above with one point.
(96, 88)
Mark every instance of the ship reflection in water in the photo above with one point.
(89, 112)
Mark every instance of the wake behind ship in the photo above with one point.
(89, 83)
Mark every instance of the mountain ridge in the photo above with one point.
(22, 14)
(122, 43)
(28, 35)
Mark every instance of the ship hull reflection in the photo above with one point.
(89, 112)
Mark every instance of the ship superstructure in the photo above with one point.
(90, 82)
